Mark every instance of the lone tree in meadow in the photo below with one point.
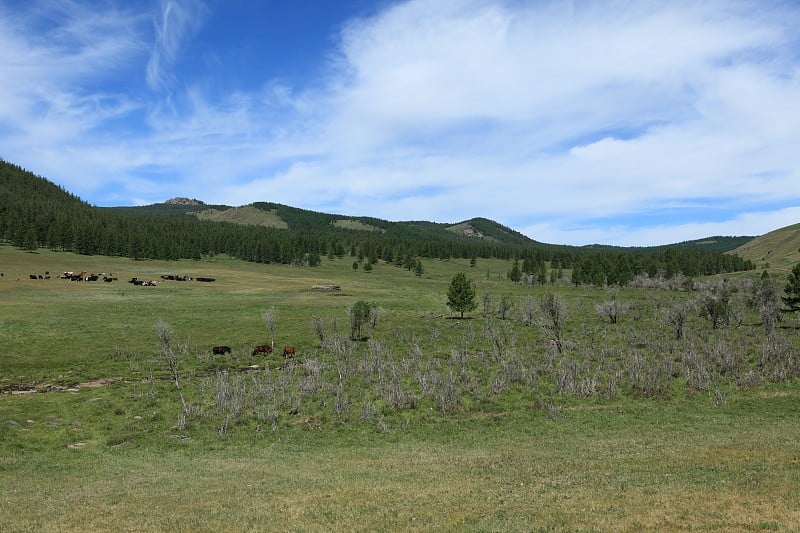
(792, 290)
(461, 294)
(362, 315)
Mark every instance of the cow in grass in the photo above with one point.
(265, 349)
(220, 350)
(289, 351)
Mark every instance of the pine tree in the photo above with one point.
(792, 290)
(515, 274)
(461, 294)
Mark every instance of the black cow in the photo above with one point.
(266, 349)
(221, 350)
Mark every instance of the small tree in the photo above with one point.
(515, 274)
(171, 359)
(715, 307)
(270, 318)
(461, 294)
(361, 317)
(792, 290)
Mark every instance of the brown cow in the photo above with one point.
(266, 349)
(288, 351)
(220, 350)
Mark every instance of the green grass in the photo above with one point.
(679, 465)
(268, 449)
(777, 251)
(247, 215)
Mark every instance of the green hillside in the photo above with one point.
(35, 213)
(247, 215)
(777, 250)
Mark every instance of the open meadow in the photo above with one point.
(548, 407)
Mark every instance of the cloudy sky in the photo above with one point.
(615, 122)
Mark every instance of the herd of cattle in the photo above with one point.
(264, 349)
(86, 276)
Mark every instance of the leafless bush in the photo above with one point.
(319, 329)
(766, 301)
(501, 337)
(171, 359)
(676, 316)
(613, 309)
(749, 380)
(696, 370)
(719, 397)
(342, 402)
(270, 319)
(448, 396)
(528, 310)
(648, 378)
(499, 383)
(374, 314)
(554, 316)
(505, 307)
(368, 411)
(338, 346)
(487, 304)
(777, 361)
(726, 358)
(554, 412)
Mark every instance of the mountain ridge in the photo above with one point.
(35, 213)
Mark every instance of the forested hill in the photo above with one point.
(279, 216)
(36, 213)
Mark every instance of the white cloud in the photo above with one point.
(177, 21)
(566, 121)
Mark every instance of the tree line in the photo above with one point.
(35, 213)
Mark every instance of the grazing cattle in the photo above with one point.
(172, 277)
(221, 350)
(288, 351)
(207, 280)
(33, 276)
(266, 349)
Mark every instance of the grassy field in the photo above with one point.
(431, 424)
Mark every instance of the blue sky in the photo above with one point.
(615, 122)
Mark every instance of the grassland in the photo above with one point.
(432, 424)
(777, 251)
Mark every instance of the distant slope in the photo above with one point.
(777, 250)
(718, 244)
(247, 215)
(483, 228)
